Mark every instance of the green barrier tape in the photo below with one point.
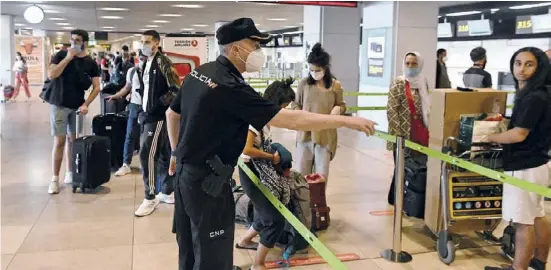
(386, 94)
(322, 250)
(354, 94)
(374, 108)
(519, 183)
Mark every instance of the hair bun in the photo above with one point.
(288, 82)
(317, 49)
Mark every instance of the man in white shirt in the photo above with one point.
(134, 108)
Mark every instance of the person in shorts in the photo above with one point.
(79, 72)
(525, 155)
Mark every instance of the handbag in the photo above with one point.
(419, 132)
(268, 175)
(52, 91)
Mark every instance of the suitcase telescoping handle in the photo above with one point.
(78, 157)
(78, 114)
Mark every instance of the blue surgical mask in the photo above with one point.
(411, 72)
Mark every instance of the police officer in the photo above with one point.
(207, 125)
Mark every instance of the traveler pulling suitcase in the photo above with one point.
(112, 126)
(91, 161)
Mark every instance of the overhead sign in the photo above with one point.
(186, 53)
(352, 4)
(533, 24)
(444, 30)
(474, 28)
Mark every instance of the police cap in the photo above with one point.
(240, 29)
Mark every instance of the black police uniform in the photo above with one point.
(216, 108)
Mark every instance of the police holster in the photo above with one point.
(220, 176)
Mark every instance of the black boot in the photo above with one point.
(537, 264)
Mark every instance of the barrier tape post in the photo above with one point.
(314, 242)
(396, 254)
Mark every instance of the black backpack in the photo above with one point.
(244, 209)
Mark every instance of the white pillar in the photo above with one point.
(338, 30)
(7, 50)
(396, 30)
(216, 50)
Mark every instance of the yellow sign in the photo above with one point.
(463, 28)
(524, 24)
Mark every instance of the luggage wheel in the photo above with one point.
(508, 242)
(445, 248)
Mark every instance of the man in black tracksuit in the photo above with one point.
(157, 83)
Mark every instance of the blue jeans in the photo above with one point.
(132, 132)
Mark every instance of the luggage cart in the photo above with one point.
(469, 196)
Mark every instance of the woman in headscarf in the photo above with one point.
(408, 107)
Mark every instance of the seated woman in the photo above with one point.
(269, 223)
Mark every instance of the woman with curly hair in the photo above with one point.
(261, 159)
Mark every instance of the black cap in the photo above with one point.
(240, 29)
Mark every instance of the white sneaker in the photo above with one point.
(54, 187)
(165, 198)
(147, 207)
(68, 178)
(124, 170)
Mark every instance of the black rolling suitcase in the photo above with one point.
(113, 106)
(91, 161)
(112, 126)
(415, 178)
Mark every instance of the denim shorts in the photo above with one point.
(63, 121)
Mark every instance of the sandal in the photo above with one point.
(253, 246)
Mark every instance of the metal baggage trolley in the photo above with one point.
(469, 196)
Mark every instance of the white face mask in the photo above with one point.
(255, 60)
(147, 50)
(317, 75)
(445, 59)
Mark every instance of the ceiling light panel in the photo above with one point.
(187, 29)
(19, 24)
(200, 25)
(63, 23)
(68, 27)
(108, 27)
(51, 11)
(170, 15)
(277, 19)
(113, 9)
(465, 13)
(188, 6)
(545, 4)
(160, 21)
(111, 17)
(57, 19)
(152, 26)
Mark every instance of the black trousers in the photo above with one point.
(268, 222)
(155, 159)
(204, 225)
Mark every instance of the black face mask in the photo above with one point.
(482, 66)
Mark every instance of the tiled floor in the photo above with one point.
(99, 231)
